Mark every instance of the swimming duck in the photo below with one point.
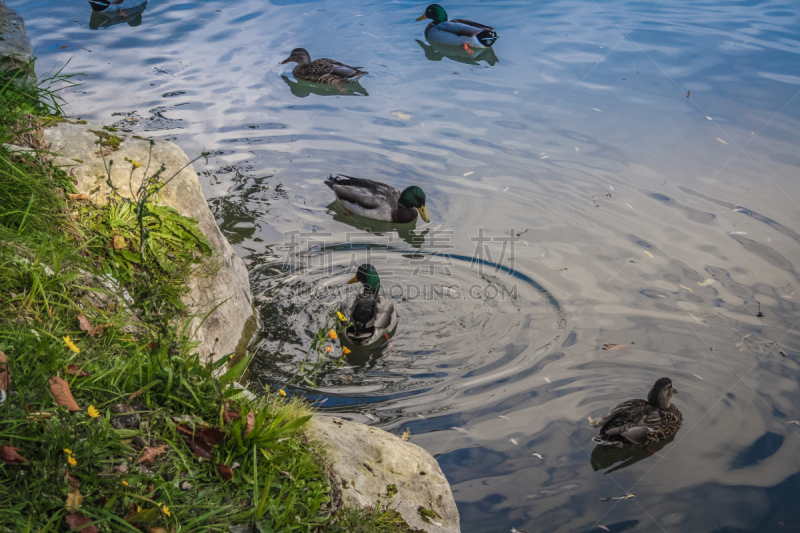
(457, 32)
(641, 421)
(377, 200)
(371, 316)
(323, 70)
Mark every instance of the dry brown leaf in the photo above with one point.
(77, 520)
(201, 440)
(134, 395)
(157, 530)
(73, 481)
(75, 370)
(86, 326)
(250, 419)
(225, 471)
(120, 242)
(5, 379)
(614, 347)
(77, 196)
(230, 416)
(9, 455)
(62, 394)
(74, 500)
(149, 454)
(561, 269)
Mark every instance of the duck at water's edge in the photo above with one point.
(457, 32)
(373, 199)
(641, 422)
(371, 316)
(326, 71)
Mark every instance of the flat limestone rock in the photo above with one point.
(220, 285)
(366, 461)
(15, 47)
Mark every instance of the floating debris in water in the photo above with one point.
(537, 455)
(626, 497)
(787, 291)
(720, 140)
(614, 347)
(649, 254)
(603, 527)
(706, 282)
(709, 118)
(468, 174)
(422, 417)
(608, 194)
(460, 430)
(504, 417)
(514, 442)
(698, 377)
(406, 434)
(402, 114)
(687, 288)
(795, 422)
(547, 379)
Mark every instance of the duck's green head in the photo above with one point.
(436, 13)
(414, 197)
(368, 277)
(661, 393)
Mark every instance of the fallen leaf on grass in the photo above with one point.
(73, 482)
(78, 521)
(614, 347)
(9, 455)
(78, 197)
(74, 500)
(250, 422)
(225, 471)
(120, 242)
(5, 379)
(201, 440)
(706, 282)
(86, 326)
(62, 394)
(230, 416)
(149, 454)
(75, 370)
(157, 530)
(626, 497)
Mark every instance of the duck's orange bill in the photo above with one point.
(424, 16)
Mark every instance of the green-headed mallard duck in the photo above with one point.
(457, 32)
(373, 199)
(641, 421)
(371, 316)
(323, 70)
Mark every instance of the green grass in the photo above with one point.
(57, 255)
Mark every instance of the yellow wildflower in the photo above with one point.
(67, 451)
(329, 348)
(332, 334)
(94, 413)
(71, 345)
(164, 509)
(124, 483)
(71, 460)
(345, 350)
(282, 392)
(138, 508)
(341, 316)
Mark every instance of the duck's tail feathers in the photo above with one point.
(487, 38)
(358, 75)
(330, 180)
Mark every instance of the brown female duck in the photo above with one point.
(326, 71)
(641, 422)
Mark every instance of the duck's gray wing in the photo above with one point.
(347, 306)
(637, 429)
(366, 193)
(463, 27)
(340, 69)
(622, 408)
(383, 312)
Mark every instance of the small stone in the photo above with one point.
(186, 485)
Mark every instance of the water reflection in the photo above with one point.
(301, 89)
(437, 52)
(378, 227)
(106, 14)
(604, 457)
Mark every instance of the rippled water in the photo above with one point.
(644, 152)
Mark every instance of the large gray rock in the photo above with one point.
(220, 285)
(15, 47)
(367, 461)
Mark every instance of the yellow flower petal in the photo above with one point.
(164, 509)
(341, 316)
(94, 413)
(67, 451)
(332, 334)
(329, 348)
(282, 392)
(345, 350)
(71, 345)
(124, 483)
(71, 460)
